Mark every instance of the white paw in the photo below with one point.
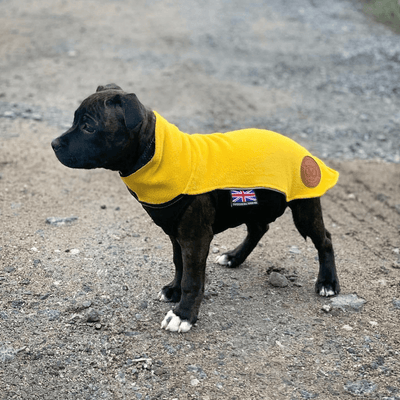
(222, 260)
(326, 293)
(173, 323)
(161, 296)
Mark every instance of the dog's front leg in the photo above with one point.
(194, 238)
(172, 291)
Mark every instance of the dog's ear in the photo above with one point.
(110, 86)
(134, 110)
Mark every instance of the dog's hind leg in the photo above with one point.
(233, 258)
(307, 216)
(172, 291)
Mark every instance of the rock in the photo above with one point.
(294, 250)
(52, 315)
(45, 296)
(86, 304)
(347, 328)
(57, 221)
(326, 308)
(278, 280)
(9, 114)
(348, 302)
(6, 353)
(308, 395)
(37, 117)
(9, 269)
(215, 250)
(396, 303)
(360, 388)
(93, 316)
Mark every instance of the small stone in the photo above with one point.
(373, 323)
(347, 328)
(103, 207)
(194, 382)
(9, 269)
(143, 305)
(294, 250)
(215, 250)
(125, 287)
(396, 303)
(348, 302)
(52, 315)
(326, 308)
(98, 326)
(74, 251)
(396, 265)
(57, 221)
(360, 388)
(93, 316)
(37, 117)
(86, 304)
(351, 196)
(278, 280)
(9, 114)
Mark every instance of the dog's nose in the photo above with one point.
(56, 144)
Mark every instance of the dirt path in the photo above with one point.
(79, 315)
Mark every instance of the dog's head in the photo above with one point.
(105, 127)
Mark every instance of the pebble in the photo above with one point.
(86, 304)
(347, 328)
(58, 221)
(294, 250)
(348, 302)
(93, 316)
(360, 388)
(9, 114)
(74, 251)
(396, 303)
(326, 308)
(37, 117)
(194, 382)
(215, 250)
(278, 280)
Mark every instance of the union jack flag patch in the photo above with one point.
(243, 198)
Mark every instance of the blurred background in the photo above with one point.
(322, 72)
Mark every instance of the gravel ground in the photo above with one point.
(81, 263)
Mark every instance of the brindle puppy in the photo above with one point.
(113, 130)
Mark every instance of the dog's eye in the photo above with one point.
(88, 128)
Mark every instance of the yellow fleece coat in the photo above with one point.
(243, 159)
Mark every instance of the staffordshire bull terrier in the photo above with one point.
(195, 186)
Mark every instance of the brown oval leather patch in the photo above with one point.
(310, 172)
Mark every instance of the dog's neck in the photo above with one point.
(140, 152)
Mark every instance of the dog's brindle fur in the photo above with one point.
(111, 130)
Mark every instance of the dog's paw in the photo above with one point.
(170, 293)
(228, 260)
(173, 323)
(162, 297)
(325, 292)
(223, 260)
